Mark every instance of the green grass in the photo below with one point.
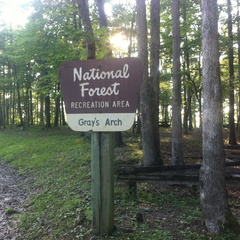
(57, 165)
(57, 162)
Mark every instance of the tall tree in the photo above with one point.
(90, 39)
(154, 74)
(103, 24)
(101, 12)
(177, 146)
(232, 134)
(151, 147)
(191, 72)
(213, 194)
(238, 56)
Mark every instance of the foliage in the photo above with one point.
(31, 55)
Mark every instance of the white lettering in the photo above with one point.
(83, 89)
(77, 74)
(111, 90)
(122, 104)
(94, 74)
(95, 104)
(125, 71)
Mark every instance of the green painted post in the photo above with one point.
(102, 183)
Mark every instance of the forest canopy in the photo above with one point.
(30, 56)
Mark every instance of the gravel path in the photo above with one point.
(12, 198)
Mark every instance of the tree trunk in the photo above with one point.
(19, 104)
(63, 120)
(189, 104)
(47, 112)
(31, 108)
(200, 94)
(103, 23)
(151, 150)
(213, 194)
(27, 108)
(177, 147)
(154, 75)
(1, 113)
(42, 111)
(148, 155)
(101, 12)
(90, 41)
(57, 106)
(185, 117)
(232, 133)
(238, 43)
(57, 111)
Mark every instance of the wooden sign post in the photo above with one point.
(101, 96)
(102, 183)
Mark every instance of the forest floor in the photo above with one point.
(12, 199)
(178, 210)
(161, 212)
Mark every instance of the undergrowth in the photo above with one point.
(56, 164)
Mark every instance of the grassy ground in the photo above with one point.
(56, 165)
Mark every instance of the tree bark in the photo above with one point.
(238, 43)
(57, 106)
(57, 111)
(101, 12)
(19, 104)
(42, 111)
(154, 75)
(90, 40)
(232, 134)
(185, 117)
(47, 112)
(213, 194)
(177, 146)
(63, 120)
(151, 150)
(87, 25)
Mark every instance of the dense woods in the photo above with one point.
(167, 36)
(31, 55)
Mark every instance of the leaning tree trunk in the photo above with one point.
(87, 25)
(213, 194)
(90, 40)
(63, 120)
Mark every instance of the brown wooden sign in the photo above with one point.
(101, 95)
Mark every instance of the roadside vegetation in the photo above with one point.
(56, 167)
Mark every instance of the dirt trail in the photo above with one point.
(12, 198)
